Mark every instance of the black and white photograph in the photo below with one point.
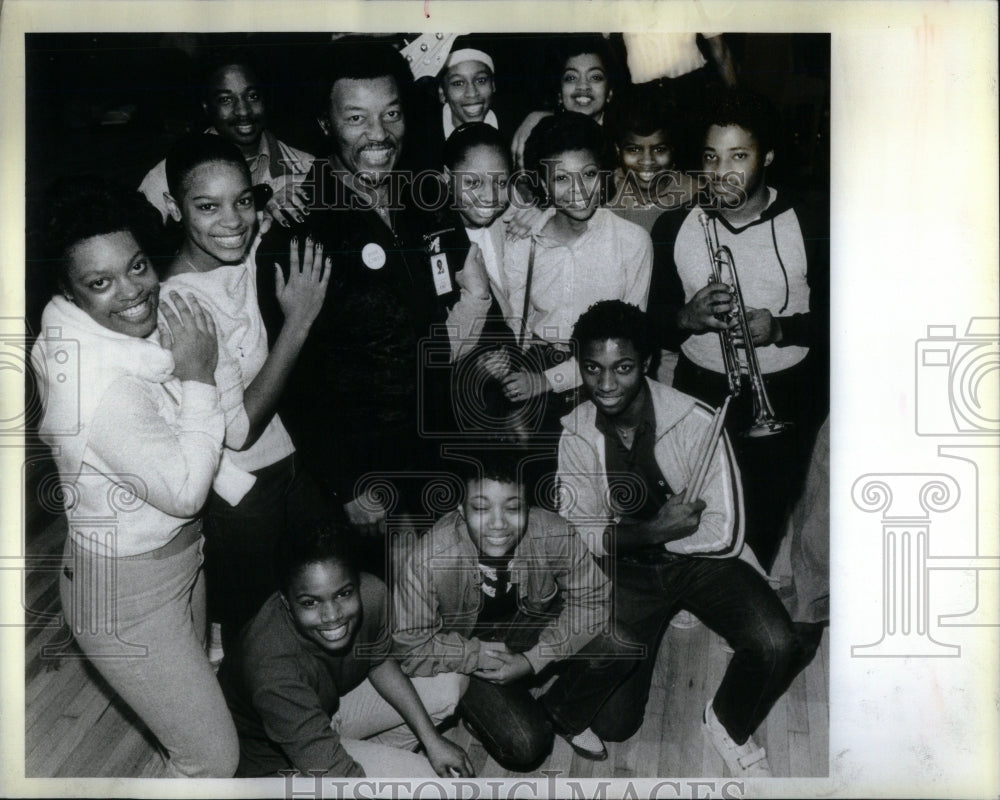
(496, 402)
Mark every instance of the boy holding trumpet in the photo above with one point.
(648, 477)
(750, 265)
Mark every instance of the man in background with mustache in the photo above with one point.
(354, 400)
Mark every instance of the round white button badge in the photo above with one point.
(373, 256)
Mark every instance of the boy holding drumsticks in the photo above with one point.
(627, 459)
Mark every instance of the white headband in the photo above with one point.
(468, 54)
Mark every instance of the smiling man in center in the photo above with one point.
(354, 398)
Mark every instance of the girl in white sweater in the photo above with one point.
(136, 429)
(260, 489)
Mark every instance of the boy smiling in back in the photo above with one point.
(232, 97)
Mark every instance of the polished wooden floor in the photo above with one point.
(76, 727)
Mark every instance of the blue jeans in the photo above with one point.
(732, 599)
(515, 728)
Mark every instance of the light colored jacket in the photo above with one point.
(681, 423)
(438, 595)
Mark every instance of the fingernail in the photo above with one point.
(295, 239)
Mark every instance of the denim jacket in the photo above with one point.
(438, 596)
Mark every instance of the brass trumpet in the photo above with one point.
(765, 423)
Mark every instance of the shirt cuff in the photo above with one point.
(199, 396)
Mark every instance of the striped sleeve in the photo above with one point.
(721, 531)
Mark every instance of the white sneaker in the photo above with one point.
(746, 760)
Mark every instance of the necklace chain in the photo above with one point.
(626, 434)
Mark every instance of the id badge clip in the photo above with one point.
(440, 271)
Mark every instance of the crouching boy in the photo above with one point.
(501, 591)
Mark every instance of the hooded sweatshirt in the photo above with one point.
(136, 448)
(782, 260)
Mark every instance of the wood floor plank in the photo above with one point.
(561, 759)
(75, 727)
(798, 753)
(775, 739)
(624, 757)
(52, 654)
(718, 662)
(661, 673)
(648, 760)
(92, 760)
(44, 675)
(680, 751)
(798, 720)
(154, 767)
(817, 709)
(606, 768)
(712, 765)
(478, 757)
(491, 768)
(38, 733)
(581, 767)
(39, 643)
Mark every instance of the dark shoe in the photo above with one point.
(587, 744)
